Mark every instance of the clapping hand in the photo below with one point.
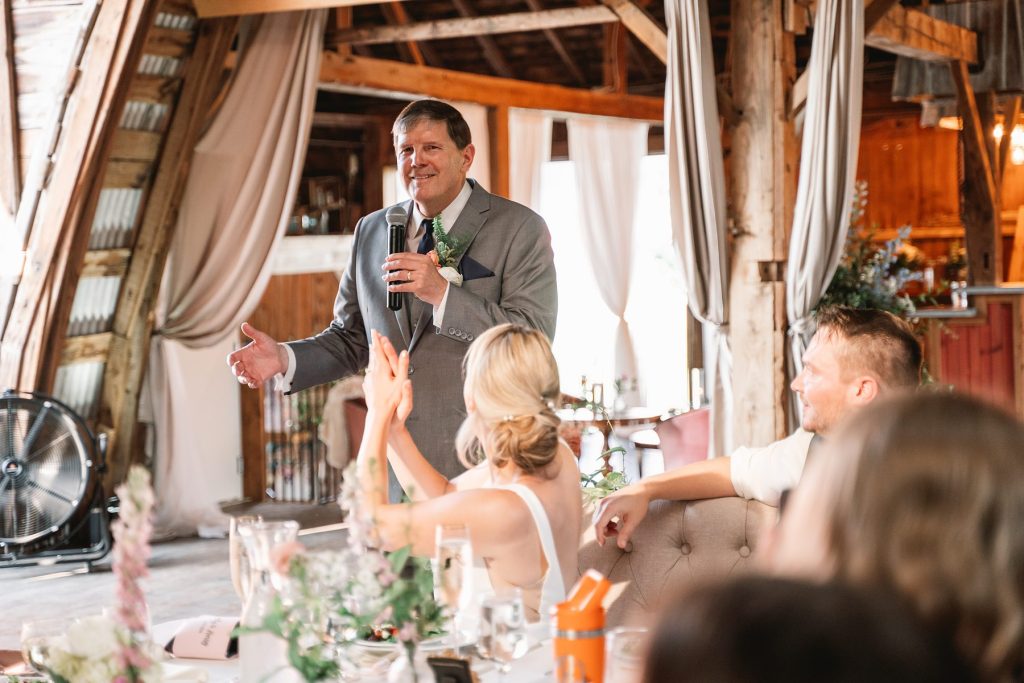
(259, 360)
(387, 386)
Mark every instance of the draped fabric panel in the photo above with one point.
(530, 133)
(238, 197)
(476, 118)
(828, 166)
(607, 154)
(697, 206)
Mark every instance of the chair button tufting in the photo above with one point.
(685, 549)
(744, 551)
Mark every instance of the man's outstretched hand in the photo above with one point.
(259, 360)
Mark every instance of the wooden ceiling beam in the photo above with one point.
(615, 62)
(362, 73)
(477, 26)
(106, 262)
(86, 348)
(419, 54)
(642, 26)
(907, 32)
(492, 53)
(913, 33)
(207, 9)
(559, 46)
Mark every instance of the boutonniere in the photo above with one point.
(446, 253)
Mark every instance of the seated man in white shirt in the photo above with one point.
(855, 356)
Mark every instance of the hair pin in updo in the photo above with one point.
(508, 418)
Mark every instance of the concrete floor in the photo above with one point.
(188, 577)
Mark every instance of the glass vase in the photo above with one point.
(262, 655)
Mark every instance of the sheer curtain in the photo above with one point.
(694, 149)
(476, 117)
(529, 136)
(607, 154)
(828, 166)
(238, 198)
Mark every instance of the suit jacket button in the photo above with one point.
(411, 369)
(451, 330)
(470, 337)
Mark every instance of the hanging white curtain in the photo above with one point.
(529, 136)
(828, 166)
(238, 198)
(476, 118)
(694, 148)
(607, 154)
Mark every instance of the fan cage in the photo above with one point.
(46, 467)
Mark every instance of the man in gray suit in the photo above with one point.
(507, 270)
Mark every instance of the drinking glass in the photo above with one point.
(238, 557)
(36, 637)
(624, 652)
(453, 573)
(503, 629)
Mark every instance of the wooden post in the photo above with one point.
(10, 170)
(762, 192)
(497, 128)
(979, 195)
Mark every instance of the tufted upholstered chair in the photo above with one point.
(677, 543)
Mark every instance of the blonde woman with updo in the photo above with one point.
(520, 499)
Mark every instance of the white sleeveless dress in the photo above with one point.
(552, 589)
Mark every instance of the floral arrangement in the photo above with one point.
(446, 253)
(102, 649)
(343, 594)
(600, 484)
(869, 276)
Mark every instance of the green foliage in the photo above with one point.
(448, 247)
(598, 484)
(872, 276)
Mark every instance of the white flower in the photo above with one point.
(94, 637)
(451, 275)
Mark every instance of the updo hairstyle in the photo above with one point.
(512, 377)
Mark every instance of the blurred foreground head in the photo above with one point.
(762, 630)
(923, 496)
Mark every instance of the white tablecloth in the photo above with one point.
(535, 667)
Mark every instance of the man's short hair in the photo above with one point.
(434, 110)
(876, 341)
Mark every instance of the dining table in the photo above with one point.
(607, 421)
(535, 666)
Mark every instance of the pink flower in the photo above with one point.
(407, 632)
(433, 257)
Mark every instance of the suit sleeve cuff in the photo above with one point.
(439, 309)
(283, 383)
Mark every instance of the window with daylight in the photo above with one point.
(656, 312)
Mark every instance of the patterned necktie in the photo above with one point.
(427, 241)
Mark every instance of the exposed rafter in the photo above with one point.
(559, 46)
(236, 8)
(907, 32)
(10, 171)
(642, 26)
(364, 74)
(478, 26)
(492, 53)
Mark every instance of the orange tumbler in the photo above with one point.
(579, 625)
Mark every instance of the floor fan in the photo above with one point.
(52, 507)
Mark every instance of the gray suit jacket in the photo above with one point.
(505, 238)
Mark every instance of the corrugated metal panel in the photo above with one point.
(79, 386)
(180, 22)
(156, 65)
(115, 217)
(148, 116)
(1000, 46)
(93, 308)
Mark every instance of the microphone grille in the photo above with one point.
(396, 215)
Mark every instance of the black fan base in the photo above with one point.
(85, 540)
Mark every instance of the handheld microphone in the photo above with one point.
(396, 217)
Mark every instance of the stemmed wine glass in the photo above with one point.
(453, 572)
(36, 637)
(503, 629)
(238, 558)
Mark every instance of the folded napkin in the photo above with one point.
(183, 674)
(205, 637)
